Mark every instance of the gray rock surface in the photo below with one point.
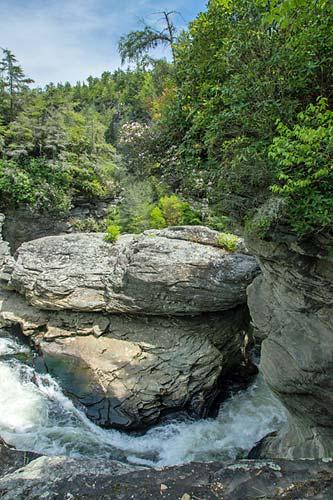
(12, 459)
(151, 273)
(6, 261)
(23, 224)
(67, 478)
(292, 308)
(130, 370)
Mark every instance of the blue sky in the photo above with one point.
(59, 40)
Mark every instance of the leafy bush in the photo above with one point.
(304, 155)
(228, 241)
(112, 233)
(157, 220)
(88, 225)
(41, 184)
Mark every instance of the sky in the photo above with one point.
(68, 40)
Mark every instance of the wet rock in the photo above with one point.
(130, 370)
(12, 459)
(55, 477)
(292, 308)
(152, 273)
(131, 382)
(61, 477)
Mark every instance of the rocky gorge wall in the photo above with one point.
(153, 324)
(291, 305)
(145, 326)
(22, 224)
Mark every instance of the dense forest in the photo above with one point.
(236, 131)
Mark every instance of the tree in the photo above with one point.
(14, 81)
(135, 44)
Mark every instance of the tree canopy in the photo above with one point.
(238, 128)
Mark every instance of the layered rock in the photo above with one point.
(153, 356)
(6, 260)
(63, 477)
(292, 309)
(12, 459)
(153, 273)
(129, 370)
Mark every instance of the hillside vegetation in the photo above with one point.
(236, 131)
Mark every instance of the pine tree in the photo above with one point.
(13, 83)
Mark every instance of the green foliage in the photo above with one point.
(135, 44)
(88, 225)
(13, 83)
(228, 241)
(241, 67)
(38, 183)
(67, 132)
(138, 211)
(172, 209)
(157, 220)
(233, 126)
(304, 154)
(112, 233)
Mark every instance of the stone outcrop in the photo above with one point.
(291, 305)
(12, 459)
(61, 477)
(23, 224)
(136, 329)
(6, 261)
(146, 274)
(130, 370)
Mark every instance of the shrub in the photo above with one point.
(88, 225)
(304, 155)
(172, 209)
(157, 220)
(228, 241)
(112, 233)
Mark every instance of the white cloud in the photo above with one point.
(68, 40)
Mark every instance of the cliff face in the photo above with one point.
(135, 329)
(291, 305)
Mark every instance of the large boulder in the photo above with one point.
(136, 329)
(158, 273)
(292, 309)
(130, 370)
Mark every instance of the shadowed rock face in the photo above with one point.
(155, 273)
(61, 477)
(12, 459)
(292, 308)
(154, 356)
(6, 260)
(129, 370)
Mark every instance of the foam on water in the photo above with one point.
(36, 415)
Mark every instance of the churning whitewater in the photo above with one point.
(37, 416)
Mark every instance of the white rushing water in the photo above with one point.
(35, 415)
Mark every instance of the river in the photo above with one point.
(35, 415)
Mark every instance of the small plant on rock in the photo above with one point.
(112, 233)
(228, 241)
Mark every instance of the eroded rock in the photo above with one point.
(151, 273)
(292, 307)
(129, 370)
(61, 477)
(12, 459)
(6, 260)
